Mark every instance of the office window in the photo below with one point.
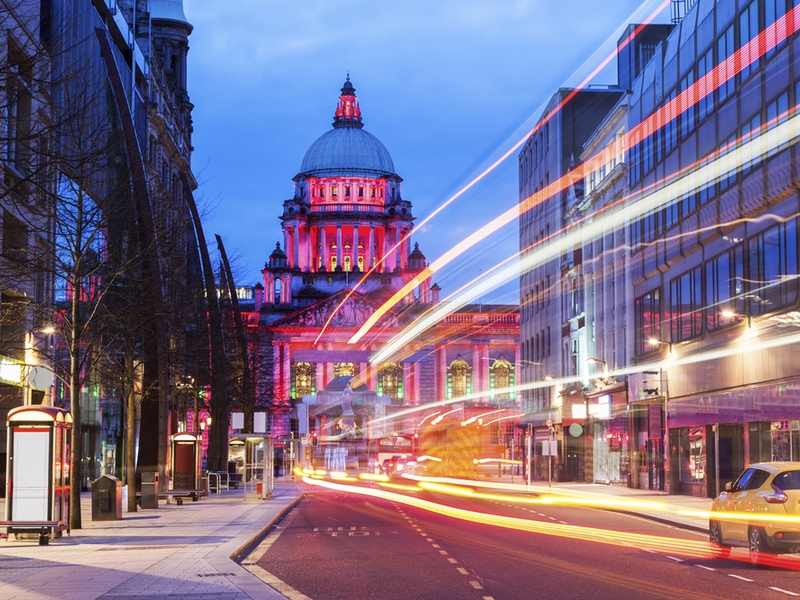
(686, 305)
(647, 316)
(748, 29)
(688, 115)
(774, 11)
(752, 127)
(705, 105)
(725, 48)
(725, 289)
(671, 127)
(772, 277)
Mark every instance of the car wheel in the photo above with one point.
(757, 545)
(718, 547)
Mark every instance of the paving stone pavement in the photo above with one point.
(169, 553)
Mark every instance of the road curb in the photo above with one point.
(686, 526)
(241, 553)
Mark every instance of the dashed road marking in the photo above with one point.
(740, 577)
(552, 518)
(436, 546)
(563, 522)
(675, 559)
(476, 585)
(442, 552)
(705, 567)
(463, 571)
(782, 591)
(650, 551)
(428, 540)
(452, 560)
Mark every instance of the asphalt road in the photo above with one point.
(340, 545)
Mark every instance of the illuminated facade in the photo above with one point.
(687, 300)
(347, 216)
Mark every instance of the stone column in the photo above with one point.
(417, 383)
(371, 250)
(319, 374)
(408, 392)
(296, 249)
(339, 246)
(477, 372)
(517, 396)
(485, 367)
(276, 373)
(287, 371)
(355, 246)
(373, 377)
(328, 372)
(441, 374)
(324, 244)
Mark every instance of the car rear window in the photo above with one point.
(788, 480)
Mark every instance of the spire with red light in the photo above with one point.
(348, 114)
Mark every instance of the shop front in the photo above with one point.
(608, 415)
(714, 437)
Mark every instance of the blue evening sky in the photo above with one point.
(446, 85)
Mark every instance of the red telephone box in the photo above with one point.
(38, 466)
(185, 463)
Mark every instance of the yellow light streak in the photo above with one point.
(372, 477)
(399, 486)
(691, 548)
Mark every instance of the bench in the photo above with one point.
(178, 495)
(42, 527)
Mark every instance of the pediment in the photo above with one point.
(352, 312)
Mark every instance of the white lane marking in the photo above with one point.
(675, 559)
(442, 552)
(740, 577)
(563, 522)
(462, 570)
(436, 545)
(787, 592)
(488, 598)
(552, 518)
(428, 540)
(452, 560)
(650, 551)
(705, 567)
(476, 585)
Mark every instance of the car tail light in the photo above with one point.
(778, 497)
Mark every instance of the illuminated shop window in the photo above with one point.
(343, 369)
(459, 379)
(390, 380)
(333, 263)
(346, 263)
(360, 263)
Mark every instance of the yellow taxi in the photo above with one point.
(759, 511)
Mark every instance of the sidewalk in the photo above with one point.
(173, 552)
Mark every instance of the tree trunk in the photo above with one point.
(130, 431)
(76, 439)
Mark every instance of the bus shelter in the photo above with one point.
(255, 453)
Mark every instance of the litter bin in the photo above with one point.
(150, 489)
(106, 499)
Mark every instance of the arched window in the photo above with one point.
(344, 368)
(459, 378)
(346, 261)
(303, 380)
(390, 380)
(501, 376)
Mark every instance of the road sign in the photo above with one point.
(549, 422)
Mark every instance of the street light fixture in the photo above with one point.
(655, 342)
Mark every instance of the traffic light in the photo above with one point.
(314, 439)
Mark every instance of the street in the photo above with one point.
(340, 545)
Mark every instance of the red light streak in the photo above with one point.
(742, 58)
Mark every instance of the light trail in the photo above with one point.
(741, 59)
(412, 284)
(782, 134)
(690, 548)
